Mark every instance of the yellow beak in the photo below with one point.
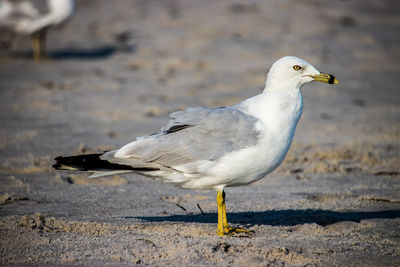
(325, 78)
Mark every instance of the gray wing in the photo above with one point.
(196, 134)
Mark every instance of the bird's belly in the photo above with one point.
(258, 164)
(241, 167)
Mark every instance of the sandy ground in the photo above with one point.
(119, 67)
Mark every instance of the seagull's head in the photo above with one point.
(292, 72)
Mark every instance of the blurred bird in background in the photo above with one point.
(33, 18)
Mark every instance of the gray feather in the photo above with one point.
(193, 135)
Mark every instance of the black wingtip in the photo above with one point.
(80, 162)
(57, 166)
(62, 163)
(91, 162)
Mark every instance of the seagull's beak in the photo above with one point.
(325, 78)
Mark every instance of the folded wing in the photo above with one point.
(196, 135)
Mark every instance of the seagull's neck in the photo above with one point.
(279, 109)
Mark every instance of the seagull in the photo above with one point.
(25, 18)
(214, 148)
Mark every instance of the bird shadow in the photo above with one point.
(288, 217)
(81, 53)
(99, 52)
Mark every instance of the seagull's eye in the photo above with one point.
(296, 67)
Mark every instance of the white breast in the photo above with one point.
(279, 113)
(278, 116)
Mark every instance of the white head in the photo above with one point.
(292, 73)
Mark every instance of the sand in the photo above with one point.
(117, 69)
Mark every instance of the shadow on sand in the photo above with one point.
(100, 52)
(281, 217)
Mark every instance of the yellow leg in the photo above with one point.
(224, 219)
(39, 45)
(223, 226)
(221, 204)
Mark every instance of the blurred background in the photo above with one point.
(116, 69)
(112, 63)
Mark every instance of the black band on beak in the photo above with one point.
(331, 79)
